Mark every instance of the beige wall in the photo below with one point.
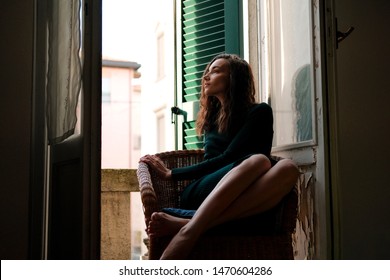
(120, 120)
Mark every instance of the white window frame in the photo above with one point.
(267, 72)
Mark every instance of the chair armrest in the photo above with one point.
(157, 193)
(148, 195)
(181, 158)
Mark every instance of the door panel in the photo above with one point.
(74, 191)
(359, 130)
(66, 201)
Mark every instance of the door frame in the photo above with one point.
(330, 89)
(92, 78)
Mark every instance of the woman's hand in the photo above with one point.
(157, 165)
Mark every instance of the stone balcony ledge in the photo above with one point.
(119, 180)
(116, 186)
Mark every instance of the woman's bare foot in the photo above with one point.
(162, 224)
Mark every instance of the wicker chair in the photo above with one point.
(264, 236)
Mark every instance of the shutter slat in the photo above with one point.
(203, 26)
(192, 90)
(193, 76)
(204, 32)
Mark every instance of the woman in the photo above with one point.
(237, 178)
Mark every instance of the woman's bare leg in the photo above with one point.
(250, 188)
(265, 193)
(172, 224)
(164, 224)
(170, 221)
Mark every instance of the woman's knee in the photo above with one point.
(289, 170)
(258, 162)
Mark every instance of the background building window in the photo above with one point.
(106, 90)
(161, 131)
(160, 56)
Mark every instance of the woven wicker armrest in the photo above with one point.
(148, 195)
(157, 193)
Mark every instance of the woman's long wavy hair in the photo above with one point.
(239, 98)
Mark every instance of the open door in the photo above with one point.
(74, 175)
(359, 119)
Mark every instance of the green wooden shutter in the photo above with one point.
(209, 27)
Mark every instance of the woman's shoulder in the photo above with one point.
(260, 108)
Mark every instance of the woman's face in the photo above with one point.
(216, 79)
